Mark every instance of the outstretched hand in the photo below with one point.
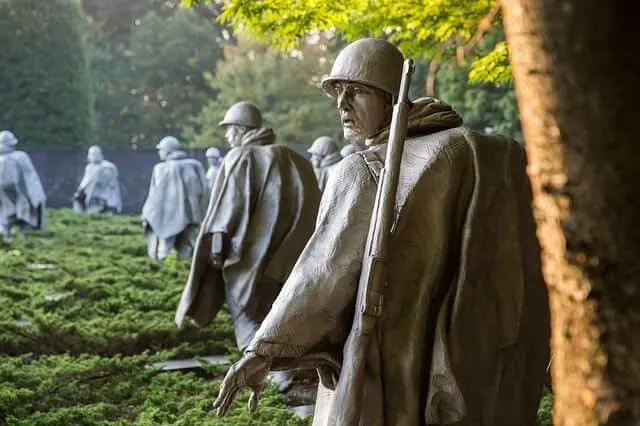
(250, 372)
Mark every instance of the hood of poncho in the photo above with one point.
(426, 116)
(261, 136)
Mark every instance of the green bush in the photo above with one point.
(87, 286)
(45, 83)
(86, 318)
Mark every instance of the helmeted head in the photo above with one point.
(213, 155)
(7, 139)
(240, 118)
(320, 148)
(364, 81)
(95, 154)
(167, 145)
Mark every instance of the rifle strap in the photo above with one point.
(374, 163)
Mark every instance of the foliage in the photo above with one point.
(481, 105)
(88, 286)
(45, 83)
(105, 314)
(284, 86)
(545, 417)
(63, 390)
(432, 30)
(149, 68)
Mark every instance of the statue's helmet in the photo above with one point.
(168, 144)
(348, 149)
(323, 146)
(212, 152)
(8, 139)
(95, 153)
(371, 61)
(243, 114)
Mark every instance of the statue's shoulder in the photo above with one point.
(354, 168)
(248, 153)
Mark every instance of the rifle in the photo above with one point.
(369, 303)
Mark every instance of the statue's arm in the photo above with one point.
(315, 305)
(228, 208)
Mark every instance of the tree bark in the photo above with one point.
(577, 78)
(430, 81)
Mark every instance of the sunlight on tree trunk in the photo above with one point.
(577, 79)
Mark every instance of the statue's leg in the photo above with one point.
(152, 241)
(165, 245)
(186, 241)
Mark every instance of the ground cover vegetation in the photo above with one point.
(86, 320)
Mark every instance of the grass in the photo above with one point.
(86, 313)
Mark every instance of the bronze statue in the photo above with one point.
(262, 211)
(214, 160)
(324, 155)
(99, 189)
(176, 203)
(461, 324)
(22, 198)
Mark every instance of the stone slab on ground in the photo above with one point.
(191, 363)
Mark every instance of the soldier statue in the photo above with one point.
(214, 159)
(324, 155)
(462, 321)
(262, 211)
(22, 199)
(176, 203)
(99, 189)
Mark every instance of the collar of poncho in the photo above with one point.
(261, 136)
(4, 149)
(176, 155)
(426, 116)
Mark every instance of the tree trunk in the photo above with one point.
(577, 78)
(430, 81)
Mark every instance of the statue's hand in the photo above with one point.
(250, 372)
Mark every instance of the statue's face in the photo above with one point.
(163, 153)
(234, 134)
(363, 110)
(93, 157)
(212, 161)
(315, 160)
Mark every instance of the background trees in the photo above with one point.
(284, 86)
(157, 69)
(45, 84)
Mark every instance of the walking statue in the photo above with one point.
(22, 199)
(99, 189)
(324, 155)
(435, 310)
(262, 211)
(176, 203)
(214, 160)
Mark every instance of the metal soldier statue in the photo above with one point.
(22, 199)
(262, 211)
(214, 160)
(99, 189)
(324, 155)
(461, 325)
(176, 203)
